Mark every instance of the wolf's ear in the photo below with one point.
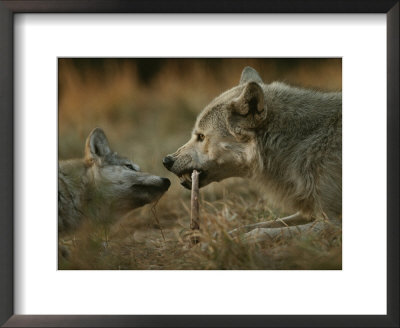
(250, 101)
(249, 74)
(96, 145)
(247, 111)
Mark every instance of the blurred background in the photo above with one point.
(147, 108)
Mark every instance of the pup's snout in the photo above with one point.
(168, 161)
(166, 182)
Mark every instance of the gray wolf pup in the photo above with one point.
(286, 138)
(102, 185)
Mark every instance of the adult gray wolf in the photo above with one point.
(286, 138)
(103, 185)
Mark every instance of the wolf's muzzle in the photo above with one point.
(168, 162)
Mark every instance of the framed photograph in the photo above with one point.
(107, 225)
(202, 164)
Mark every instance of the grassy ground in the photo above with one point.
(147, 109)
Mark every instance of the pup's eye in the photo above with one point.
(200, 137)
(129, 166)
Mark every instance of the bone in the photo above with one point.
(194, 224)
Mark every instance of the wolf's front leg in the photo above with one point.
(291, 220)
(271, 234)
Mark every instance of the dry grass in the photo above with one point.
(146, 118)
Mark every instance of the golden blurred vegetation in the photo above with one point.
(147, 108)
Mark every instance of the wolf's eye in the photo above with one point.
(129, 166)
(200, 137)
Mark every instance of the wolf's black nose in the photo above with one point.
(168, 161)
(166, 182)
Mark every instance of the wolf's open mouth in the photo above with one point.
(186, 178)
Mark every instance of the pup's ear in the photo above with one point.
(96, 145)
(249, 74)
(247, 111)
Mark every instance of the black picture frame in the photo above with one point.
(7, 10)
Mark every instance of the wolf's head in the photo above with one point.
(116, 180)
(223, 142)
